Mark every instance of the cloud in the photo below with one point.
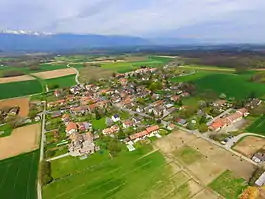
(148, 18)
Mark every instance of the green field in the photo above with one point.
(6, 128)
(258, 126)
(188, 155)
(18, 176)
(62, 82)
(16, 89)
(228, 185)
(127, 176)
(99, 124)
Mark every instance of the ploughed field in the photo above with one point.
(18, 176)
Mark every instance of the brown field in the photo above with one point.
(55, 73)
(89, 73)
(22, 140)
(212, 162)
(16, 79)
(250, 145)
(22, 102)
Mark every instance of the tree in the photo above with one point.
(114, 147)
(252, 95)
(97, 114)
(203, 128)
(45, 174)
(203, 120)
(222, 96)
(121, 135)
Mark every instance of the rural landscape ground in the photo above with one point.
(182, 162)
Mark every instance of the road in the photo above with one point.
(42, 146)
(58, 157)
(132, 112)
(235, 139)
(77, 74)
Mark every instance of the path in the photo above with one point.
(235, 139)
(58, 157)
(42, 147)
(77, 74)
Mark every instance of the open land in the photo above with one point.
(90, 73)
(17, 89)
(16, 79)
(18, 176)
(65, 81)
(23, 139)
(258, 126)
(55, 73)
(22, 102)
(249, 145)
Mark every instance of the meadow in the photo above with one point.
(257, 126)
(16, 89)
(65, 81)
(18, 176)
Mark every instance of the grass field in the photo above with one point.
(99, 124)
(62, 82)
(188, 155)
(7, 129)
(18, 176)
(16, 89)
(258, 126)
(127, 176)
(228, 185)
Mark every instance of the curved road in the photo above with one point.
(235, 139)
(77, 73)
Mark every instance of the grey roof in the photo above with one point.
(261, 180)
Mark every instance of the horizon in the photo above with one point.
(216, 20)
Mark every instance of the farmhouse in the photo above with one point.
(71, 128)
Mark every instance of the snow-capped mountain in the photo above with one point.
(25, 32)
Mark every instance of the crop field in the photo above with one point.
(16, 89)
(18, 176)
(16, 79)
(249, 145)
(228, 185)
(258, 126)
(21, 102)
(55, 73)
(62, 82)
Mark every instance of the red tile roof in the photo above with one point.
(152, 128)
(138, 135)
(71, 126)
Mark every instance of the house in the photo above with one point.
(65, 118)
(127, 124)
(110, 131)
(217, 124)
(258, 157)
(171, 127)
(253, 103)
(181, 121)
(219, 103)
(84, 126)
(175, 98)
(137, 136)
(79, 110)
(115, 118)
(185, 94)
(58, 92)
(152, 129)
(71, 128)
(56, 114)
(13, 111)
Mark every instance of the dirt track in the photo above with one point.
(16, 79)
(23, 139)
(55, 73)
(22, 102)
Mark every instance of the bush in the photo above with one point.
(203, 128)
(256, 174)
(45, 175)
(34, 67)
(12, 73)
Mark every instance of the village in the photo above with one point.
(134, 108)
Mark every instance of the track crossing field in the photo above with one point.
(258, 126)
(18, 176)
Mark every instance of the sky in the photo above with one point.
(205, 19)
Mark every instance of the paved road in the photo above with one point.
(58, 157)
(42, 146)
(77, 74)
(235, 139)
(132, 112)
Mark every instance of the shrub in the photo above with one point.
(12, 73)
(45, 175)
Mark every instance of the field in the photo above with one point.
(22, 102)
(18, 176)
(93, 73)
(62, 82)
(55, 73)
(258, 126)
(23, 139)
(249, 145)
(16, 89)
(16, 79)
(5, 130)
(210, 162)
(228, 185)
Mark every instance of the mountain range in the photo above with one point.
(14, 41)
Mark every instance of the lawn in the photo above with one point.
(188, 155)
(99, 124)
(62, 82)
(17, 89)
(197, 75)
(18, 176)
(6, 129)
(232, 85)
(258, 126)
(228, 185)
(128, 175)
